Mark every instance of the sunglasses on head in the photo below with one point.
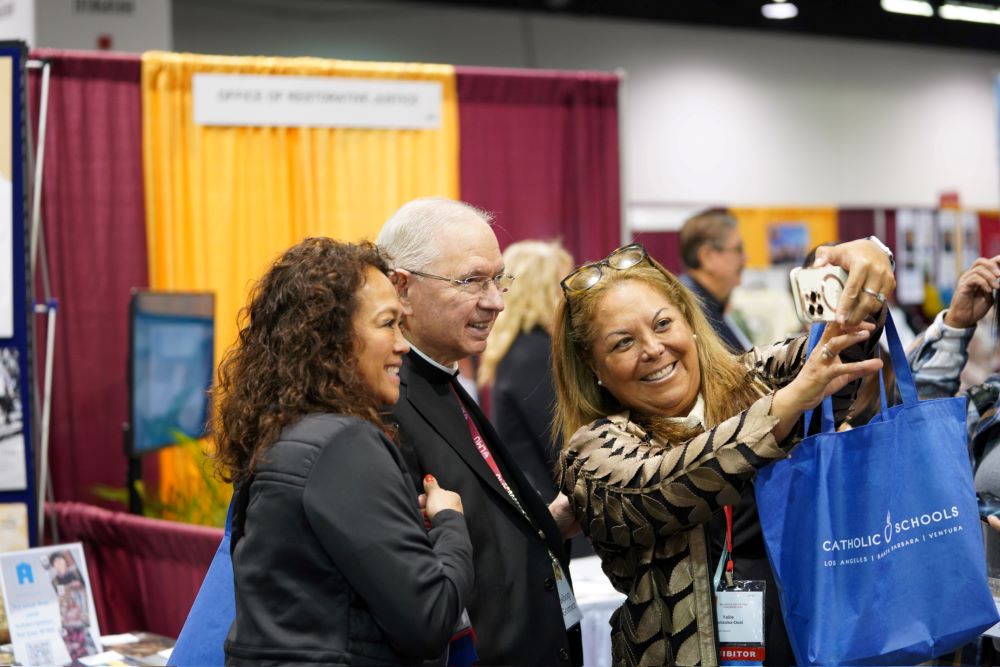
(589, 275)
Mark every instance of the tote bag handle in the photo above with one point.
(904, 377)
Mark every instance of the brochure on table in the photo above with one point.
(49, 604)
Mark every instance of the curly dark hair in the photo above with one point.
(295, 353)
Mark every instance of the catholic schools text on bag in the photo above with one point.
(874, 534)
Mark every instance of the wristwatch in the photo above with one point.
(884, 248)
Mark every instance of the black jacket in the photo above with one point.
(523, 399)
(334, 564)
(715, 311)
(514, 607)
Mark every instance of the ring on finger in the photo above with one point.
(879, 296)
(826, 352)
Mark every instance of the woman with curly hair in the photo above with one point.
(331, 558)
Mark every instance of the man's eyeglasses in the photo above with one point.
(589, 275)
(474, 284)
(738, 249)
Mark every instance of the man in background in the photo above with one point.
(713, 257)
(451, 277)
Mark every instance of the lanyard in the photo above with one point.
(484, 451)
(727, 552)
(572, 616)
(728, 509)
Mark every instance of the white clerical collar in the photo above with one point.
(694, 418)
(450, 371)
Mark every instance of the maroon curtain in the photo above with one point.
(540, 150)
(665, 247)
(859, 223)
(95, 236)
(989, 234)
(145, 573)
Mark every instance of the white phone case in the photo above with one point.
(816, 292)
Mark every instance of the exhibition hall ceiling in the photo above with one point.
(862, 19)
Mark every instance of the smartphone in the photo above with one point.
(989, 505)
(816, 292)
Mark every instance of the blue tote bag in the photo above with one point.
(874, 534)
(207, 625)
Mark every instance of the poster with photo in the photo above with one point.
(17, 476)
(787, 243)
(946, 270)
(13, 472)
(914, 253)
(50, 605)
(957, 249)
(970, 246)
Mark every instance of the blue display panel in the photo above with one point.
(18, 498)
(172, 363)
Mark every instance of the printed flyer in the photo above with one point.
(49, 604)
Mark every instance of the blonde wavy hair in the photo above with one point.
(726, 385)
(537, 267)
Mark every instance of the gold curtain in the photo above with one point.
(759, 226)
(222, 202)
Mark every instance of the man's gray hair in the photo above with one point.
(410, 236)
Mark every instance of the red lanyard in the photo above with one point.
(728, 510)
(484, 451)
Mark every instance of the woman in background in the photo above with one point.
(517, 360)
(331, 559)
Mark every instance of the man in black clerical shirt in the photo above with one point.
(450, 276)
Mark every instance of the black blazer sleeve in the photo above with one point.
(364, 512)
(523, 404)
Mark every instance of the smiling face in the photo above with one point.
(444, 321)
(380, 345)
(643, 350)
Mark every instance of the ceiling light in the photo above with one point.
(970, 12)
(779, 10)
(914, 7)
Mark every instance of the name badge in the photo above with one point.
(570, 611)
(739, 613)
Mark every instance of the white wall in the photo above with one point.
(17, 20)
(711, 116)
(130, 25)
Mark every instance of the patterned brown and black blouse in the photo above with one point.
(644, 505)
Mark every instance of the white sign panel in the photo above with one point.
(302, 101)
(17, 20)
(107, 25)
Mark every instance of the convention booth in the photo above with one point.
(144, 188)
(136, 194)
(181, 172)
